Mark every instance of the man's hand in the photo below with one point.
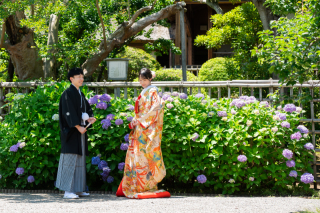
(92, 120)
(81, 129)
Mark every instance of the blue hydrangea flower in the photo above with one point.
(110, 117)
(30, 179)
(303, 129)
(293, 173)
(130, 107)
(126, 138)
(183, 96)
(307, 178)
(102, 164)
(285, 124)
(121, 166)
(296, 136)
(222, 113)
(87, 188)
(95, 160)
(14, 148)
(282, 116)
(110, 179)
(242, 158)
(129, 118)
(287, 153)
(105, 173)
(102, 105)
(289, 108)
(93, 100)
(105, 97)
(106, 123)
(202, 179)
(119, 122)
(309, 146)
(195, 136)
(291, 163)
(19, 171)
(124, 146)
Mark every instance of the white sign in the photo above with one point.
(117, 69)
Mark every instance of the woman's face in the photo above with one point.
(144, 82)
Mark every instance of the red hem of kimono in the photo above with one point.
(119, 191)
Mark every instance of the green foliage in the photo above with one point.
(138, 60)
(173, 75)
(294, 53)
(239, 28)
(214, 70)
(162, 46)
(213, 154)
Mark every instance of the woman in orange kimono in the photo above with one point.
(144, 167)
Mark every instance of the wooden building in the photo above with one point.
(197, 22)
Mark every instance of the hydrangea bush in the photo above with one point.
(225, 145)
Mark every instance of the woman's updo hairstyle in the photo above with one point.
(145, 73)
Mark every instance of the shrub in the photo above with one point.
(173, 75)
(214, 70)
(226, 145)
(138, 60)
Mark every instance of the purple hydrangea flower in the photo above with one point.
(251, 99)
(296, 136)
(244, 97)
(121, 166)
(282, 116)
(110, 179)
(195, 136)
(19, 171)
(129, 118)
(309, 146)
(287, 154)
(199, 95)
(289, 108)
(293, 173)
(251, 178)
(169, 106)
(240, 103)
(130, 107)
(97, 97)
(102, 164)
(102, 105)
(126, 138)
(290, 163)
(222, 113)
(242, 158)
(93, 100)
(175, 94)
(169, 99)
(264, 103)
(277, 112)
(105, 97)
(110, 117)
(0, 177)
(30, 179)
(95, 160)
(124, 146)
(183, 96)
(303, 129)
(307, 178)
(160, 94)
(202, 179)
(234, 101)
(14, 148)
(119, 122)
(106, 123)
(285, 124)
(105, 173)
(165, 97)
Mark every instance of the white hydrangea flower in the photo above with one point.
(224, 119)
(211, 113)
(305, 135)
(279, 108)
(204, 101)
(55, 117)
(232, 181)
(249, 122)
(257, 112)
(274, 129)
(176, 101)
(233, 112)
(23, 144)
(1, 118)
(263, 129)
(276, 118)
(298, 109)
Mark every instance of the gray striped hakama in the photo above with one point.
(72, 171)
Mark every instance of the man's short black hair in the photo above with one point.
(74, 71)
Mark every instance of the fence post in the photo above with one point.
(313, 136)
(1, 99)
(229, 89)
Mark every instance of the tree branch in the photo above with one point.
(125, 32)
(214, 5)
(137, 14)
(103, 28)
(3, 34)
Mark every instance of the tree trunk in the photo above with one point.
(10, 71)
(50, 61)
(22, 49)
(125, 31)
(214, 5)
(266, 15)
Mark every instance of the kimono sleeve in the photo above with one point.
(154, 105)
(68, 111)
(88, 108)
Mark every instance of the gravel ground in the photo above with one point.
(96, 203)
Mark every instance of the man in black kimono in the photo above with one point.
(75, 114)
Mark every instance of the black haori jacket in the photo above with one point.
(70, 115)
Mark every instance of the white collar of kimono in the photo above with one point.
(146, 89)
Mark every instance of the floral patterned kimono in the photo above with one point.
(144, 167)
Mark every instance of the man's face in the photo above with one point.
(77, 80)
